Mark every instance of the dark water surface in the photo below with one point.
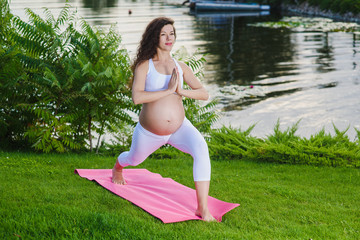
(307, 75)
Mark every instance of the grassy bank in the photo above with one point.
(339, 10)
(42, 198)
(336, 6)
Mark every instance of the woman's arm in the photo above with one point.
(139, 95)
(197, 91)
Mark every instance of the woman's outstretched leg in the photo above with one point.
(202, 193)
(188, 139)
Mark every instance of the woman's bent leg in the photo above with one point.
(188, 139)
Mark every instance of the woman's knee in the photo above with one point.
(126, 159)
(200, 148)
(134, 161)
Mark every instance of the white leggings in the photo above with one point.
(187, 139)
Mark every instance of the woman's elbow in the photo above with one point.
(205, 95)
(136, 100)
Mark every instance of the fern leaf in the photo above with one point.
(63, 16)
(50, 20)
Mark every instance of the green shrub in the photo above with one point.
(286, 147)
(76, 77)
(325, 4)
(338, 6)
(349, 5)
(230, 144)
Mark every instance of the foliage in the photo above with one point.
(105, 71)
(228, 143)
(202, 117)
(286, 147)
(337, 6)
(74, 81)
(119, 142)
(5, 17)
(12, 122)
(340, 6)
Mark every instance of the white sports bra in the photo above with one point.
(156, 81)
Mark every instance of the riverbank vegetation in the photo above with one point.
(284, 146)
(42, 198)
(336, 6)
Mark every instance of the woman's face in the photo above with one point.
(167, 37)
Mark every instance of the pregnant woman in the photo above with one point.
(157, 85)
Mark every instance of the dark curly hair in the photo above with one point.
(150, 40)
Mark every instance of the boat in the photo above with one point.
(203, 5)
(228, 14)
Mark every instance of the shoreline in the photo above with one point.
(315, 11)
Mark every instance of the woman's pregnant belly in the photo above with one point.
(164, 116)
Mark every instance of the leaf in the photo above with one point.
(108, 72)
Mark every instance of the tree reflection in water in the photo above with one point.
(98, 5)
(240, 54)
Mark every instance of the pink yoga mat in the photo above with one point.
(164, 198)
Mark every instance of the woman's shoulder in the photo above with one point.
(183, 66)
(142, 66)
(179, 62)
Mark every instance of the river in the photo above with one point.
(259, 74)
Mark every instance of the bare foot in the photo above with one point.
(205, 215)
(117, 174)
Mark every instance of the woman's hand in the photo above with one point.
(178, 88)
(173, 83)
(196, 91)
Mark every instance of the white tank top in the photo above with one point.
(156, 81)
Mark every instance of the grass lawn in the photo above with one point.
(42, 198)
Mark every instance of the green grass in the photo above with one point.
(42, 198)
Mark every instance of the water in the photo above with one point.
(296, 75)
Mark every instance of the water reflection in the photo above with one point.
(98, 5)
(326, 55)
(240, 54)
